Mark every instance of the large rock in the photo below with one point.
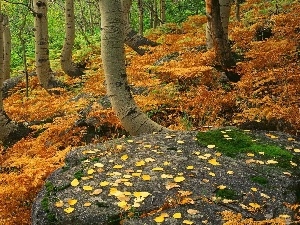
(138, 180)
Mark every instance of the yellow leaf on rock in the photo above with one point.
(74, 182)
(212, 174)
(159, 219)
(72, 201)
(158, 169)
(254, 205)
(221, 187)
(146, 177)
(117, 167)
(59, 204)
(211, 146)
(140, 163)
(143, 194)
(136, 174)
(166, 176)
(98, 165)
(166, 163)
(179, 179)
(271, 162)
(87, 204)
(254, 189)
(90, 171)
(190, 167)
(293, 164)
(130, 141)
(230, 172)
(171, 185)
(177, 215)
(192, 211)
(97, 192)
(149, 160)
(218, 154)
(147, 146)
(87, 188)
(214, 162)
(297, 150)
(180, 142)
(104, 183)
(124, 157)
(69, 209)
(187, 222)
(250, 154)
(122, 204)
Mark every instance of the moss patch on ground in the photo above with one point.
(233, 142)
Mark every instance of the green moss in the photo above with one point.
(227, 194)
(95, 159)
(50, 189)
(242, 143)
(79, 174)
(260, 180)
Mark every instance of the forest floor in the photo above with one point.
(176, 83)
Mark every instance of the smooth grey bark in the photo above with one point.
(6, 126)
(113, 56)
(42, 44)
(67, 65)
(1, 61)
(7, 47)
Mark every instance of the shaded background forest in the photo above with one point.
(178, 71)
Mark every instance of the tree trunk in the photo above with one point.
(162, 11)
(113, 56)
(7, 47)
(68, 66)
(6, 126)
(220, 38)
(155, 21)
(1, 60)
(141, 17)
(237, 10)
(41, 44)
(132, 38)
(224, 9)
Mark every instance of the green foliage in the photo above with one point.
(239, 142)
(260, 180)
(79, 174)
(226, 194)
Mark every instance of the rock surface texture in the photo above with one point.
(164, 179)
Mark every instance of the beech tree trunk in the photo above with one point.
(141, 17)
(113, 57)
(43, 70)
(7, 47)
(216, 23)
(68, 66)
(1, 60)
(132, 38)
(6, 126)
(162, 11)
(224, 9)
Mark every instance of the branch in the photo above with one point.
(23, 4)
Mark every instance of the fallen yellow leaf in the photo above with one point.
(187, 222)
(221, 187)
(214, 162)
(87, 188)
(190, 167)
(159, 219)
(158, 169)
(177, 215)
(59, 204)
(87, 204)
(74, 182)
(211, 146)
(72, 201)
(124, 157)
(104, 183)
(117, 167)
(146, 177)
(69, 209)
(179, 179)
(254, 205)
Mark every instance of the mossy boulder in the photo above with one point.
(171, 178)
